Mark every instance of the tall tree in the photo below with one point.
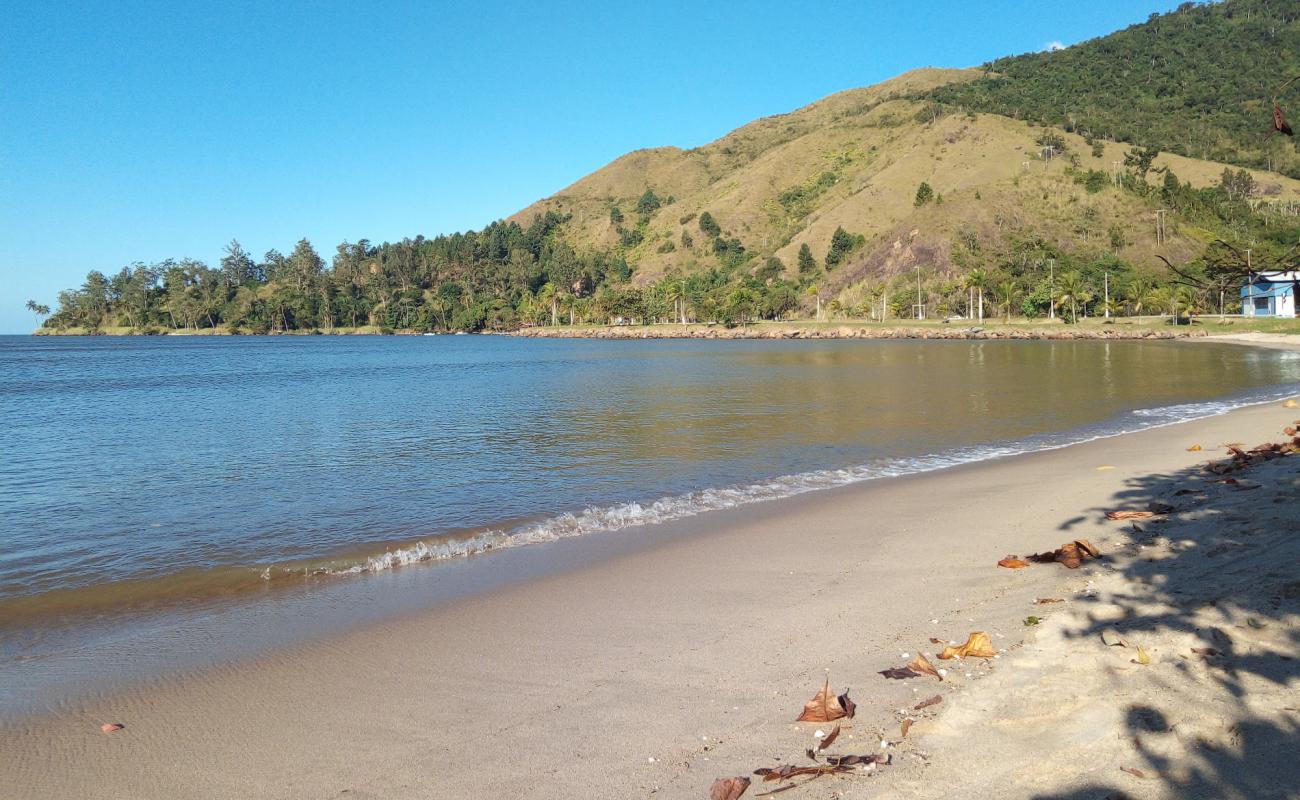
(237, 266)
(807, 262)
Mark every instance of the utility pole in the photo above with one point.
(920, 307)
(1162, 226)
(1051, 297)
(1106, 283)
(1250, 283)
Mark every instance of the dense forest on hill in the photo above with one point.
(1199, 81)
(498, 278)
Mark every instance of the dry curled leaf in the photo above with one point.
(728, 788)
(1130, 514)
(1143, 657)
(922, 666)
(1112, 639)
(933, 640)
(826, 707)
(1042, 601)
(1134, 771)
(1088, 547)
(978, 645)
(907, 726)
(111, 727)
(933, 701)
(1013, 562)
(828, 739)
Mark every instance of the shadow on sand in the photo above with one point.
(1221, 574)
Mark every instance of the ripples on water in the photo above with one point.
(150, 471)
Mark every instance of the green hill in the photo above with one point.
(1199, 82)
(958, 180)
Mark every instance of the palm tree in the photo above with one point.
(39, 310)
(812, 290)
(1008, 291)
(1071, 290)
(675, 292)
(1181, 297)
(1138, 293)
(1161, 298)
(549, 297)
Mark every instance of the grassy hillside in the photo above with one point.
(1198, 81)
(854, 161)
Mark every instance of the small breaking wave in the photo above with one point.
(608, 519)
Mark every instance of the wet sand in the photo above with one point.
(663, 667)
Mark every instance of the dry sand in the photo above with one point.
(687, 659)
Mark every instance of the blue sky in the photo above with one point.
(137, 131)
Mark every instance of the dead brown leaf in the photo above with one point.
(922, 666)
(907, 726)
(826, 707)
(933, 701)
(728, 788)
(1088, 547)
(1130, 514)
(1042, 601)
(899, 673)
(978, 645)
(848, 705)
(1013, 562)
(1134, 771)
(111, 727)
(1069, 555)
(828, 739)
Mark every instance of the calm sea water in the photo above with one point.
(149, 473)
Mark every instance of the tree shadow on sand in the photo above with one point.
(1215, 586)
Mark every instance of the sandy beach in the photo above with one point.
(687, 654)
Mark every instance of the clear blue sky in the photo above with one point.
(136, 131)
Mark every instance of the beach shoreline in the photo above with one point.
(668, 661)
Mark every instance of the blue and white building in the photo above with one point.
(1270, 294)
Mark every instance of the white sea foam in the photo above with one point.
(606, 519)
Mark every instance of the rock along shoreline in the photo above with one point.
(849, 332)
